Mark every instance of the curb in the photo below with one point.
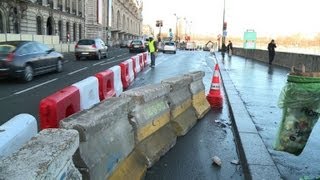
(254, 156)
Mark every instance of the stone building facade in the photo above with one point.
(126, 20)
(64, 18)
(72, 20)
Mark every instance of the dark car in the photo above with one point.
(95, 48)
(137, 46)
(25, 59)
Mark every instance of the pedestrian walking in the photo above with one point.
(223, 50)
(230, 49)
(271, 49)
(152, 48)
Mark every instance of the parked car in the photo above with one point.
(94, 48)
(169, 47)
(25, 59)
(123, 44)
(137, 45)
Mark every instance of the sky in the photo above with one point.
(270, 18)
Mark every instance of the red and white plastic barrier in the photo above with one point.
(145, 58)
(58, 106)
(89, 92)
(141, 62)
(136, 65)
(16, 132)
(106, 84)
(125, 77)
(118, 87)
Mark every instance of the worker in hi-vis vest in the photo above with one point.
(152, 48)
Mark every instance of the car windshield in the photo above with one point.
(6, 48)
(86, 42)
(136, 42)
(169, 43)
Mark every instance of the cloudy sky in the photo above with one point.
(267, 17)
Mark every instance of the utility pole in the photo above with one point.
(224, 24)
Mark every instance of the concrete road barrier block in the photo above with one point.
(151, 111)
(197, 89)
(183, 123)
(156, 145)
(134, 167)
(89, 92)
(106, 137)
(46, 156)
(118, 87)
(180, 101)
(16, 132)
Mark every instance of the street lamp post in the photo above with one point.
(177, 18)
(223, 19)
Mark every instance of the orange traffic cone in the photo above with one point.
(214, 97)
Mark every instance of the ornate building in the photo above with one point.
(126, 20)
(64, 18)
(73, 19)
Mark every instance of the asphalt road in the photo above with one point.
(17, 97)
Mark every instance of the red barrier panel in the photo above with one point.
(141, 62)
(145, 58)
(58, 106)
(125, 78)
(134, 66)
(106, 84)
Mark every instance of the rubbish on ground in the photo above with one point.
(235, 161)
(216, 160)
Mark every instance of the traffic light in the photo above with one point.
(159, 23)
(224, 25)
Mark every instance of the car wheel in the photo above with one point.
(28, 73)
(78, 58)
(174, 52)
(59, 65)
(99, 56)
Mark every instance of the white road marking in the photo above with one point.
(33, 87)
(111, 58)
(119, 55)
(77, 71)
(98, 63)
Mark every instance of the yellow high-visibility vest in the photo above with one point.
(151, 46)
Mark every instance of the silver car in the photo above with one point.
(94, 48)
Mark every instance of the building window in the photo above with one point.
(2, 26)
(39, 25)
(50, 2)
(67, 5)
(60, 5)
(74, 32)
(80, 29)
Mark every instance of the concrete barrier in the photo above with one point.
(197, 89)
(150, 119)
(183, 116)
(89, 92)
(46, 156)
(284, 59)
(106, 137)
(16, 132)
(118, 87)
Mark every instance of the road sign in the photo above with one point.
(250, 35)
(224, 33)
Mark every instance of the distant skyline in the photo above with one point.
(270, 18)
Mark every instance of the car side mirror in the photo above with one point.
(50, 50)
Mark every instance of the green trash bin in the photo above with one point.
(300, 101)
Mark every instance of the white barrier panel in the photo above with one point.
(131, 72)
(16, 132)
(136, 60)
(148, 58)
(89, 92)
(118, 87)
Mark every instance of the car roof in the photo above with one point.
(15, 43)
